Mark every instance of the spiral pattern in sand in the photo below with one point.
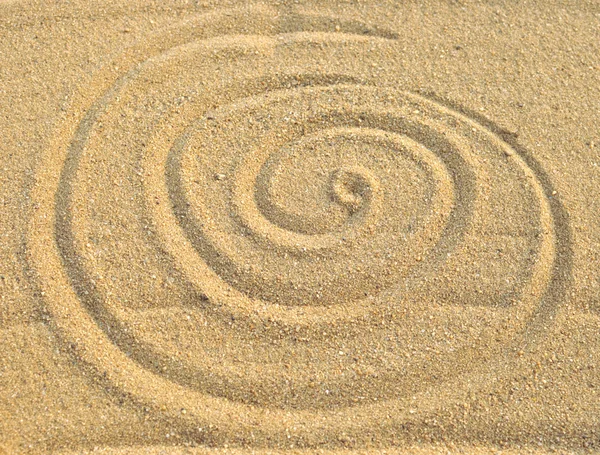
(315, 244)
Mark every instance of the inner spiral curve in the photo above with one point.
(303, 201)
(354, 184)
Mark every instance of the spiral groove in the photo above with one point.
(292, 239)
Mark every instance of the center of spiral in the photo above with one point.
(353, 187)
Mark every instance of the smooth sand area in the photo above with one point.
(297, 227)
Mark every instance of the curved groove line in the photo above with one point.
(79, 277)
(352, 203)
(557, 291)
(396, 125)
(387, 122)
(295, 243)
(294, 22)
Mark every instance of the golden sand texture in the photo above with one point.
(300, 227)
(412, 450)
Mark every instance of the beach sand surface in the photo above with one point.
(297, 227)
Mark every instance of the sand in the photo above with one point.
(300, 227)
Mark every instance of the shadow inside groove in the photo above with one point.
(557, 291)
(292, 23)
